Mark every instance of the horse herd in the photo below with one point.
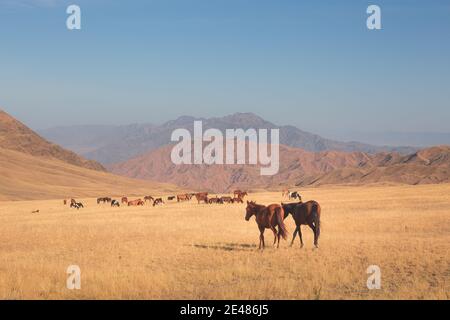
(267, 217)
(238, 197)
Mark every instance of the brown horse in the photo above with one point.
(137, 202)
(240, 194)
(183, 197)
(148, 198)
(124, 200)
(202, 196)
(267, 218)
(238, 200)
(307, 213)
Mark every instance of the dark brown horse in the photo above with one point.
(307, 213)
(158, 201)
(267, 218)
(149, 199)
(227, 200)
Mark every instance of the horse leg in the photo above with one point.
(261, 238)
(295, 234)
(274, 230)
(313, 228)
(300, 235)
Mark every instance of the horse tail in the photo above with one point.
(316, 217)
(280, 220)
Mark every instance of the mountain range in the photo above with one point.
(297, 168)
(113, 144)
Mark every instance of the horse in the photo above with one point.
(215, 200)
(227, 199)
(76, 205)
(295, 195)
(238, 200)
(137, 202)
(307, 213)
(103, 200)
(183, 197)
(285, 193)
(124, 200)
(202, 196)
(73, 201)
(239, 194)
(267, 218)
(158, 201)
(115, 203)
(171, 198)
(65, 202)
(149, 199)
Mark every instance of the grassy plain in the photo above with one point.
(191, 251)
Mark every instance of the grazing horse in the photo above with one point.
(65, 201)
(171, 198)
(76, 205)
(158, 201)
(103, 200)
(124, 200)
(267, 218)
(295, 195)
(215, 200)
(227, 199)
(202, 196)
(183, 197)
(137, 202)
(307, 213)
(149, 199)
(73, 201)
(115, 203)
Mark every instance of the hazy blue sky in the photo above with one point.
(312, 64)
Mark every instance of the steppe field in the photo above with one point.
(191, 251)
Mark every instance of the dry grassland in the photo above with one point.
(191, 251)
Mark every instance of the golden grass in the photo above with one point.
(191, 251)
(25, 177)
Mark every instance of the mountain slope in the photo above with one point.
(297, 167)
(133, 140)
(16, 136)
(26, 177)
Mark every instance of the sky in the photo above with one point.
(312, 64)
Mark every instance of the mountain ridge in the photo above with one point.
(132, 140)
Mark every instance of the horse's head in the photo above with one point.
(288, 208)
(250, 210)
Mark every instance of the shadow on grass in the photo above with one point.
(227, 246)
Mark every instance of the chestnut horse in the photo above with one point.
(137, 202)
(202, 196)
(307, 213)
(124, 200)
(267, 218)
